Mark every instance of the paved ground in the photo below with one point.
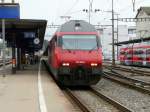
(54, 98)
(20, 92)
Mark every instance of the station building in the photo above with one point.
(143, 27)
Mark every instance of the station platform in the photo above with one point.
(31, 90)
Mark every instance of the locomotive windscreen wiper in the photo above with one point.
(64, 45)
(93, 48)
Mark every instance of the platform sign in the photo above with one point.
(9, 11)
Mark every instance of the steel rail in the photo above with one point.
(85, 108)
(133, 70)
(78, 102)
(115, 73)
(124, 82)
(111, 101)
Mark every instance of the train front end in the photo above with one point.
(80, 57)
(81, 60)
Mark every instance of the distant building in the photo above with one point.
(143, 28)
(124, 33)
(131, 32)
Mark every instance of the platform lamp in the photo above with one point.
(13, 1)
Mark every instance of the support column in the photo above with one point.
(23, 58)
(18, 58)
(13, 60)
(14, 54)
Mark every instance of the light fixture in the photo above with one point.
(94, 64)
(65, 64)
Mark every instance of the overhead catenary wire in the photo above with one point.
(136, 2)
(133, 3)
(70, 9)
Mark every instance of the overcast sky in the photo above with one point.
(51, 10)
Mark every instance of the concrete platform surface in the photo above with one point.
(55, 100)
(20, 92)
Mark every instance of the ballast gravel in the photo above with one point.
(95, 103)
(134, 100)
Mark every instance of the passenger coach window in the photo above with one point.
(148, 51)
(138, 52)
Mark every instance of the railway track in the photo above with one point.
(130, 70)
(78, 102)
(138, 85)
(86, 108)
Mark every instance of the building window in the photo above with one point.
(131, 31)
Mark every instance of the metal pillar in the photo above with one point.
(14, 54)
(13, 60)
(89, 11)
(3, 35)
(113, 47)
(117, 38)
(23, 58)
(18, 58)
(133, 2)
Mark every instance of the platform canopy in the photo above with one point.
(132, 41)
(21, 33)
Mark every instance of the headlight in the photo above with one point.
(65, 64)
(94, 64)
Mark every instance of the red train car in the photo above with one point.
(75, 54)
(135, 55)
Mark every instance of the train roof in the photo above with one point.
(76, 26)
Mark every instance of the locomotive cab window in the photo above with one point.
(80, 42)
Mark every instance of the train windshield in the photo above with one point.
(79, 42)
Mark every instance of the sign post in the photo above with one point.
(3, 36)
(7, 11)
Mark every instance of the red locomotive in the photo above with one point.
(138, 55)
(75, 54)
